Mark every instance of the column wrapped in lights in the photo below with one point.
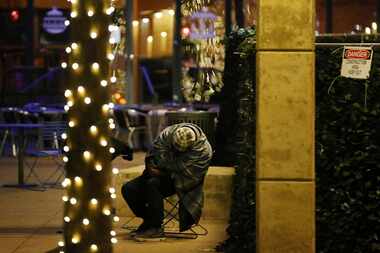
(88, 204)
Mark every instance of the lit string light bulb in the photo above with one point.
(95, 66)
(98, 167)
(73, 201)
(113, 240)
(115, 171)
(103, 83)
(113, 233)
(93, 130)
(112, 150)
(94, 247)
(93, 35)
(81, 90)
(87, 100)
(90, 13)
(64, 65)
(94, 201)
(68, 93)
(67, 219)
(86, 155)
(86, 221)
(71, 123)
(75, 66)
(113, 79)
(103, 142)
(66, 182)
(74, 46)
(116, 219)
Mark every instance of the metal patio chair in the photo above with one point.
(49, 145)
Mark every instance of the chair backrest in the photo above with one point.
(51, 133)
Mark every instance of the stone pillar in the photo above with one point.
(285, 127)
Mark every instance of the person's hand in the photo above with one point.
(154, 172)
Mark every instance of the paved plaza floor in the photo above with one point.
(31, 220)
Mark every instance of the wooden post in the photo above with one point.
(285, 193)
(88, 205)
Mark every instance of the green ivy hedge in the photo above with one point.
(347, 150)
(347, 155)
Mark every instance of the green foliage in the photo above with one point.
(347, 149)
(347, 157)
(239, 80)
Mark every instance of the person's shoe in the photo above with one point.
(143, 226)
(150, 234)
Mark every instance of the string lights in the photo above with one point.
(86, 150)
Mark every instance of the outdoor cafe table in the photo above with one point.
(21, 130)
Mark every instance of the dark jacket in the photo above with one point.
(187, 169)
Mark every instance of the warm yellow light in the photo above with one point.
(111, 120)
(78, 180)
(73, 201)
(68, 93)
(103, 142)
(74, 46)
(112, 28)
(75, 239)
(98, 167)
(112, 190)
(93, 35)
(66, 182)
(74, 14)
(150, 38)
(113, 79)
(106, 211)
(164, 34)
(103, 83)
(65, 159)
(68, 50)
(65, 198)
(113, 196)
(61, 244)
(113, 233)
(67, 22)
(158, 15)
(71, 123)
(94, 130)
(112, 126)
(110, 10)
(86, 155)
(64, 65)
(368, 30)
(374, 26)
(87, 100)
(75, 66)
(105, 108)
(95, 66)
(116, 219)
(64, 136)
(112, 150)
(131, 56)
(70, 103)
(115, 171)
(94, 201)
(66, 148)
(135, 22)
(86, 221)
(81, 90)
(93, 247)
(66, 219)
(90, 13)
(112, 41)
(66, 108)
(171, 12)
(111, 57)
(113, 240)
(145, 20)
